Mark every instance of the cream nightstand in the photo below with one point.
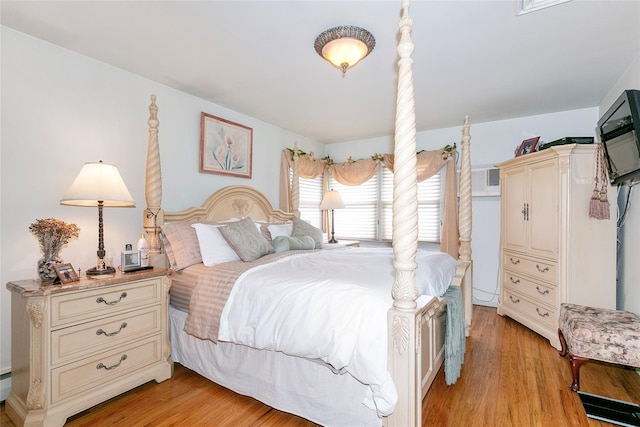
(341, 244)
(81, 343)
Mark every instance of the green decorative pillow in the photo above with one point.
(245, 239)
(303, 228)
(286, 243)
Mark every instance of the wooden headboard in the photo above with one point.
(235, 201)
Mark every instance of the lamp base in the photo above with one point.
(332, 240)
(93, 271)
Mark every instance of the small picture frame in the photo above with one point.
(225, 147)
(527, 146)
(66, 273)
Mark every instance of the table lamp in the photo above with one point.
(99, 184)
(331, 201)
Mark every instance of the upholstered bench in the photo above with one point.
(588, 333)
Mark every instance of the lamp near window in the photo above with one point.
(99, 184)
(331, 201)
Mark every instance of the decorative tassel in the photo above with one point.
(604, 205)
(599, 204)
(604, 202)
(594, 203)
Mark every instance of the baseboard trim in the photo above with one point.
(5, 387)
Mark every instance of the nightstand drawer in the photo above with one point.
(538, 292)
(91, 304)
(543, 270)
(72, 380)
(88, 338)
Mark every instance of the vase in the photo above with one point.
(45, 267)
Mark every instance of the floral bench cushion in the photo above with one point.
(601, 334)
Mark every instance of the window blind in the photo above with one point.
(368, 213)
(310, 199)
(359, 219)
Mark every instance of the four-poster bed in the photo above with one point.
(317, 389)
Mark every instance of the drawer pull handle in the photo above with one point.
(514, 262)
(514, 281)
(514, 300)
(545, 292)
(110, 334)
(122, 295)
(102, 366)
(542, 270)
(542, 314)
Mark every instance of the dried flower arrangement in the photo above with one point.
(52, 234)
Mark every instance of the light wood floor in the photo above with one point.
(511, 377)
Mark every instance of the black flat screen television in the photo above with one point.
(619, 130)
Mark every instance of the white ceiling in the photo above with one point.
(257, 57)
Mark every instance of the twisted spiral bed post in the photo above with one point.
(464, 222)
(405, 201)
(152, 215)
(403, 321)
(295, 182)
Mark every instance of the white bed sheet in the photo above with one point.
(331, 306)
(291, 384)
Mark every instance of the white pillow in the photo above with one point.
(280, 229)
(213, 247)
(435, 272)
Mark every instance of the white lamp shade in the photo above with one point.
(98, 182)
(331, 200)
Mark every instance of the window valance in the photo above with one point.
(355, 172)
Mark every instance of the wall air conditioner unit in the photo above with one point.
(485, 182)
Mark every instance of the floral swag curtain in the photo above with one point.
(355, 172)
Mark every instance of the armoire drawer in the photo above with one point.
(543, 270)
(540, 314)
(72, 380)
(91, 304)
(539, 292)
(81, 340)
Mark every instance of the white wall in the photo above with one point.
(629, 252)
(491, 143)
(60, 110)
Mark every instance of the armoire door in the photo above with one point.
(543, 209)
(514, 196)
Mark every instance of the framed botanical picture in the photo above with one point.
(527, 146)
(66, 273)
(225, 147)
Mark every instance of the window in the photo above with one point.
(310, 199)
(429, 198)
(369, 208)
(359, 219)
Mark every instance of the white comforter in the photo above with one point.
(329, 305)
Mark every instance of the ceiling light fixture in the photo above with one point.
(344, 46)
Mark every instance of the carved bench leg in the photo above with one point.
(576, 362)
(563, 343)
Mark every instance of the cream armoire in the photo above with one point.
(552, 252)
